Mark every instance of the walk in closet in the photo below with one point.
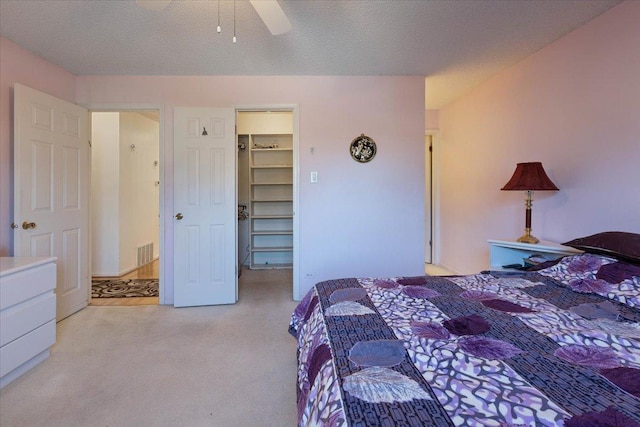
(265, 189)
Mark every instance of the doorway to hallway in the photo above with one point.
(125, 205)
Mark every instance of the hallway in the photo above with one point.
(147, 271)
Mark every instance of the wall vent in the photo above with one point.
(145, 254)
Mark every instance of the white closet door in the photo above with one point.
(205, 207)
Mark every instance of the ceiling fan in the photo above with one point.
(269, 10)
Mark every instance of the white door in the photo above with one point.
(206, 215)
(51, 190)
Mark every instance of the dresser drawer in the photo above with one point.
(27, 284)
(27, 316)
(27, 347)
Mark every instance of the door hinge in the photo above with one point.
(431, 148)
(89, 142)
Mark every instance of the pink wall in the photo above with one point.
(359, 219)
(574, 106)
(18, 65)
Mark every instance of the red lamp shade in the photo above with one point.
(530, 177)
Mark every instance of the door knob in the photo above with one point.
(28, 225)
(179, 216)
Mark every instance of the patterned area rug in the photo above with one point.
(115, 288)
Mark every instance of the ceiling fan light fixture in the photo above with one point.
(269, 11)
(272, 15)
(219, 29)
(234, 21)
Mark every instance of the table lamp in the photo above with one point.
(529, 177)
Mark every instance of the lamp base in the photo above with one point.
(527, 237)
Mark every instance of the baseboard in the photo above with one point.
(94, 274)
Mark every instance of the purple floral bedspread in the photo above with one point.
(556, 347)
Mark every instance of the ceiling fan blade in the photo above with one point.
(272, 16)
(155, 5)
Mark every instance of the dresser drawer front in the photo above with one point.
(27, 284)
(27, 347)
(27, 316)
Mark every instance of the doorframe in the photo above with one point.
(294, 108)
(116, 108)
(435, 194)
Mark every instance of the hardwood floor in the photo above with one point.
(125, 301)
(149, 271)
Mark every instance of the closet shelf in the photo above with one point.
(271, 166)
(272, 233)
(270, 266)
(284, 216)
(273, 183)
(271, 195)
(272, 249)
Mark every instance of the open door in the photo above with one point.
(205, 218)
(428, 185)
(51, 190)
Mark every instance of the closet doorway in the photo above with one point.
(125, 207)
(428, 198)
(432, 202)
(266, 190)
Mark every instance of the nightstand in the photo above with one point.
(504, 252)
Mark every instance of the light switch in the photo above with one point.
(314, 177)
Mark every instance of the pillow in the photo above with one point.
(616, 244)
(599, 274)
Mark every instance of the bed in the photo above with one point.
(558, 345)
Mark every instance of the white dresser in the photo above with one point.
(27, 314)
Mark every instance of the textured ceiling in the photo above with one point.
(455, 44)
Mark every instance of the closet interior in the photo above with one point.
(265, 189)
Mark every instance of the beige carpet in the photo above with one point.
(161, 366)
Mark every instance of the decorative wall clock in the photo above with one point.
(363, 148)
